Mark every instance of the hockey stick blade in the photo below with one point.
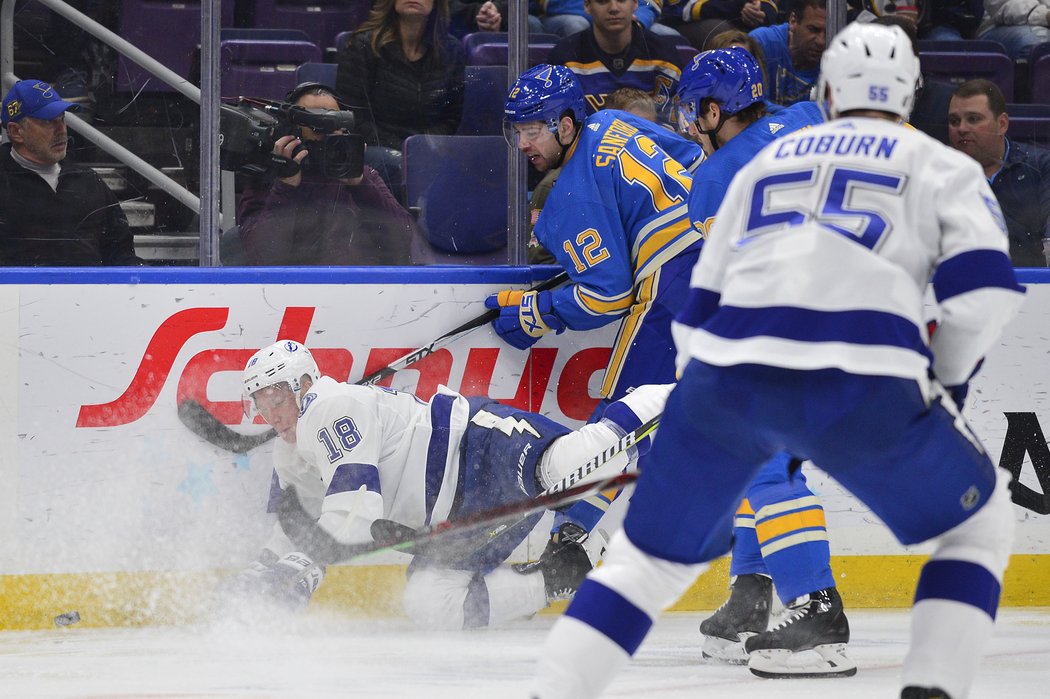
(324, 549)
(207, 426)
(204, 424)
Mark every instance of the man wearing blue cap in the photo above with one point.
(53, 213)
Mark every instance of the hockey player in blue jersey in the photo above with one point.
(355, 454)
(805, 332)
(780, 537)
(617, 222)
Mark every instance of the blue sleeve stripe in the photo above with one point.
(700, 306)
(857, 327)
(275, 492)
(437, 450)
(610, 614)
(959, 581)
(350, 477)
(974, 269)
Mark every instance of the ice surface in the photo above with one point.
(314, 659)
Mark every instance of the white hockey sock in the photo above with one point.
(609, 616)
(947, 641)
(513, 595)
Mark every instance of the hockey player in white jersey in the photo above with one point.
(805, 332)
(355, 454)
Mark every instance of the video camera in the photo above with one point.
(248, 130)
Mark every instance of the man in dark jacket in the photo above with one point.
(304, 218)
(1018, 173)
(53, 213)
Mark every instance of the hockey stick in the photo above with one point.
(207, 426)
(388, 535)
(485, 318)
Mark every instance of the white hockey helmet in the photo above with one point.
(868, 66)
(285, 361)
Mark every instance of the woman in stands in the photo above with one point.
(403, 74)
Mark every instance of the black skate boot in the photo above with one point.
(924, 693)
(744, 614)
(813, 622)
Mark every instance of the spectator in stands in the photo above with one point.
(793, 51)
(301, 217)
(1016, 24)
(403, 74)
(568, 17)
(616, 52)
(930, 113)
(487, 16)
(700, 22)
(1018, 173)
(950, 19)
(626, 99)
(52, 212)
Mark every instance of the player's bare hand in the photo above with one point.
(751, 14)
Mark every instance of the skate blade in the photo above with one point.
(825, 661)
(722, 650)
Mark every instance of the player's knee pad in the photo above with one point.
(434, 597)
(987, 536)
(650, 583)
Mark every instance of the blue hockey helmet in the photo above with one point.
(544, 93)
(731, 77)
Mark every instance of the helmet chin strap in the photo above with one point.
(712, 133)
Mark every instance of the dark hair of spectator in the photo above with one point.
(798, 7)
(980, 86)
(735, 37)
(383, 23)
(904, 23)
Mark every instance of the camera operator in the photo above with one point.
(299, 215)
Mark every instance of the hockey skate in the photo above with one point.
(814, 622)
(744, 614)
(924, 693)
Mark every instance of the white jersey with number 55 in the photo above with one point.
(823, 247)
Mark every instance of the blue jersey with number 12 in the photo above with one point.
(617, 213)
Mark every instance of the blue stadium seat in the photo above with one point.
(484, 92)
(168, 31)
(458, 183)
(957, 67)
(320, 19)
(960, 45)
(323, 73)
(492, 49)
(1029, 123)
(262, 33)
(1039, 74)
(263, 69)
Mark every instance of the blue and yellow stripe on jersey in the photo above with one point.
(617, 213)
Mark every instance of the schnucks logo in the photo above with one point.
(159, 358)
